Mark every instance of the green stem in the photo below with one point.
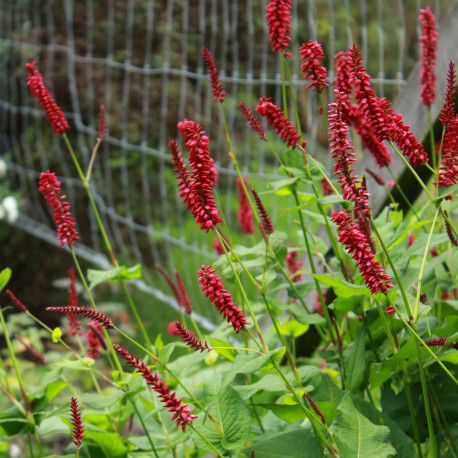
(206, 441)
(91, 162)
(196, 327)
(422, 268)
(29, 442)
(144, 428)
(323, 108)
(413, 415)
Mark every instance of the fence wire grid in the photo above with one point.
(142, 61)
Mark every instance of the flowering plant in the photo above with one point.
(376, 292)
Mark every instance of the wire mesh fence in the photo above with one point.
(142, 61)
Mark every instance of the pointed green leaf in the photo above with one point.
(96, 277)
(355, 361)
(5, 276)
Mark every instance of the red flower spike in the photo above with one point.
(253, 121)
(311, 55)
(172, 329)
(327, 190)
(16, 302)
(390, 309)
(438, 342)
(181, 411)
(36, 355)
(315, 408)
(37, 88)
(78, 429)
(358, 246)
(448, 109)
(73, 322)
(102, 131)
(189, 338)
(294, 265)
(204, 176)
(343, 72)
(245, 213)
(85, 311)
(185, 183)
(215, 291)
(375, 176)
(265, 220)
(450, 233)
(93, 340)
(448, 171)
(50, 188)
(428, 41)
(342, 150)
(217, 87)
(183, 293)
(278, 121)
(279, 19)
(218, 247)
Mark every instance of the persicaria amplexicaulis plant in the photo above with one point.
(347, 309)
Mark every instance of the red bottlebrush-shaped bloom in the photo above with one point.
(375, 176)
(37, 88)
(78, 429)
(190, 338)
(172, 329)
(294, 265)
(428, 41)
(455, 345)
(36, 355)
(278, 121)
(181, 411)
(183, 293)
(204, 176)
(215, 291)
(16, 302)
(343, 72)
(450, 234)
(85, 311)
(217, 87)
(448, 171)
(253, 121)
(357, 245)
(218, 247)
(265, 220)
(245, 214)
(94, 340)
(315, 408)
(438, 342)
(73, 322)
(185, 183)
(327, 190)
(311, 55)
(448, 109)
(342, 150)
(102, 131)
(50, 188)
(279, 19)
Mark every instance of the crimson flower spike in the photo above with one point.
(245, 213)
(215, 291)
(102, 130)
(189, 338)
(448, 170)
(94, 340)
(315, 408)
(428, 41)
(181, 411)
(450, 233)
(73, 322)
(311, 55)
(342, 150)
(375, 176)
(253, 121)
(85, 311)
(78, 429)
(448, 109)
(184, 301)
(37, 88)
(16, 302)
(50, 188)
(278, 121)
(343, 72)
(185, 183)
(358, 246)
(279, 20)
(438, 342)
(217, 87)
(294, 265)
(266, 222)
(36, 355)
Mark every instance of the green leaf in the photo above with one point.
(230, 412)
(112, 445)
(306, 318)
(356, 436)
(97, 401)
(355, 361)
(289, 400)
(158, 343)
(276, 185)
(294, 158)
(56, 335)
(53, 389)
(5, 276)
(83, 364)
(278, 242)
(292, 442)
(342, 288)
(293, 328)
(246, 364)
(227, 353)
(96, 277)
(289, 413)
(166, 352)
